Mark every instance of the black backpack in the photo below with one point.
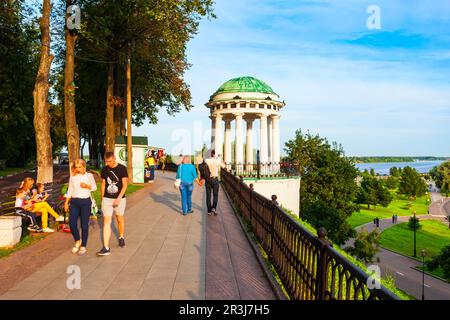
(204, 171)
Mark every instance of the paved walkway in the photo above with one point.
(165, 257)
(400, 267)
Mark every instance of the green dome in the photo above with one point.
(244, 84)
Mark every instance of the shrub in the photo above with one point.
(366, 245)
(443, 261)
(414, 221)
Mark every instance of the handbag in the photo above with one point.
(177, 182)
(94, 207)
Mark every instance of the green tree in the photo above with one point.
(414, 223)
(443, 261)
(441, 176)
(157, 33)
(366, 245)
(328, 187)
(392, 182)
(411, 183)
(395, 172)
(18, 67)
(372, 172)
(373, 191)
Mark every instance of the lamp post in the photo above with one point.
(415, 228)
(423, 254)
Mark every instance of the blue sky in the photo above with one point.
(377, 92)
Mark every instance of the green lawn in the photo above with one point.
(25, 242)
(397, 206)
(432, 237)
(8, 171)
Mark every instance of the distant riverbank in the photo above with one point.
(394, 159)
(383, 168)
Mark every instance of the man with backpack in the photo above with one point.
(209, 171)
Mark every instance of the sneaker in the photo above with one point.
(121, 242)
(192, 211)
(38, 229)
(209, 213)
(48, 230)
(214, 211)
(82, 251)
(31, 228)
(104, 252)
(76, 248)
(60, 219)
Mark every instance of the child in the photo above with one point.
(22, 206)
(41, 195)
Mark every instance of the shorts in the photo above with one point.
(108, 209)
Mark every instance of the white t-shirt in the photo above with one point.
(76, 191)
(214, 164)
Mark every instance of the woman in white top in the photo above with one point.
(81, 184)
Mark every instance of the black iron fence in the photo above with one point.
(308, 267)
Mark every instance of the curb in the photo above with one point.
(272, 281)
(431, 275)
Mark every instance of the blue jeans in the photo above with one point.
(152, 172)
(186, 189)
(80, 208)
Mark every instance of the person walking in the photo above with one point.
(393, 218)
(214, 163)
(150, 164)
(187, 173)
(114, 185)
(205, 176)
(81, 184)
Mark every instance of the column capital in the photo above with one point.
(275, 116)
(216, 116)
(262, 115)
(238, 114)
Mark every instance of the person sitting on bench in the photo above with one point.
(22, 208)
(43, 207)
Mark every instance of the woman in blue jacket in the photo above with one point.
(187, 173)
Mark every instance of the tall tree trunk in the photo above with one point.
(73, 135)
(40, 95)
(129, 133)
(109, 121)
(117, 110)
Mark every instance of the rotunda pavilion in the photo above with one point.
(245, 99)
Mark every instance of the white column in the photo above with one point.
(218, 134)
(270, 139)
(249, 142)
(213, 132)
(276, 138)
(227, 143)
(263, 139)
(239, 141)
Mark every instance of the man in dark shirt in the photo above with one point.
(114, 184)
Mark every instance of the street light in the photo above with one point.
(415, 228)
(423, 253)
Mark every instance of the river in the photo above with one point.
(382, 168)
